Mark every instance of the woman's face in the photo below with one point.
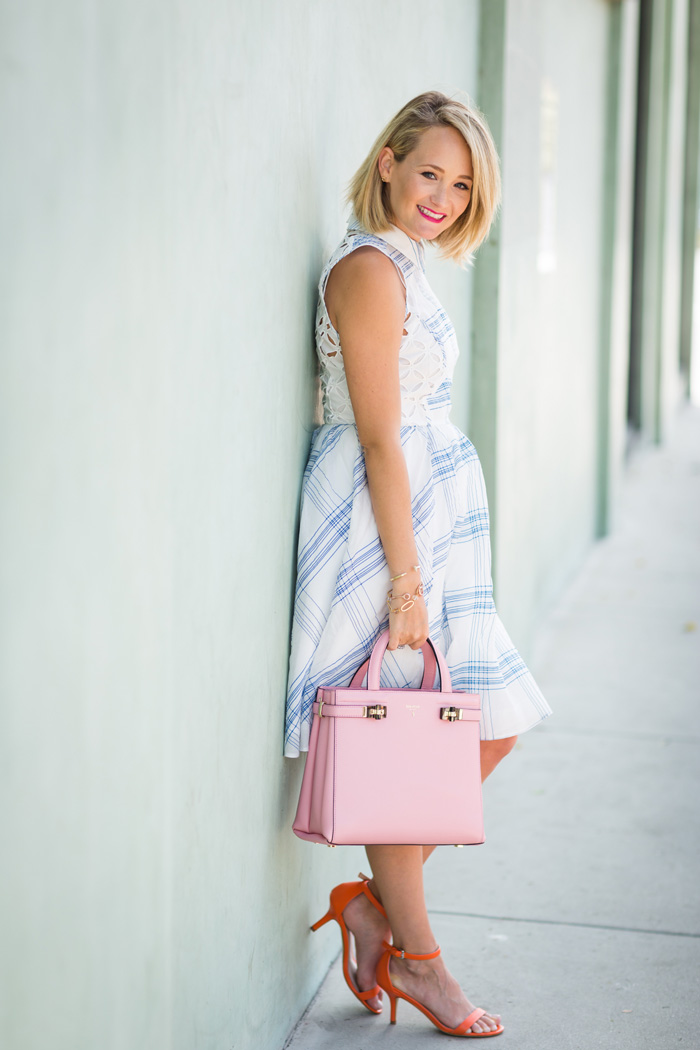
(431, 187)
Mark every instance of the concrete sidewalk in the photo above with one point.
(579, 920)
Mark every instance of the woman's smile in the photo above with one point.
(432, 216)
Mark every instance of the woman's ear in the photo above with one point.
(385, 163)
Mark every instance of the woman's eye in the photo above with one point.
(429, 174)
(463, 186)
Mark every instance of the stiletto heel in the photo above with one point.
(340, 898)
(394, 993)
(322, 922)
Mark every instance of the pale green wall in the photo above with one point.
(172, 178)
(558, 83)
(543, 298)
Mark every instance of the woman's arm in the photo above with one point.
(366, 300)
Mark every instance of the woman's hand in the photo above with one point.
(409, 627)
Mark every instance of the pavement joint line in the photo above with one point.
(671, 738)
(565, 922)
(297, 1027)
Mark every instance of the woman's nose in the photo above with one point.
(439, 193)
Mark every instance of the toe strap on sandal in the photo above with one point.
(370, 994)
(469, 1021)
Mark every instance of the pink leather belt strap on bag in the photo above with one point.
(393, 765)
(325, 710)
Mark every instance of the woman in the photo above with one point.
(394, 495)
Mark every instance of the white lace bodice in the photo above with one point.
(428, 349)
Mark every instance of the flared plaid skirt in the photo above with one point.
(342, 580)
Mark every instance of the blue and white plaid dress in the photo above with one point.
(342, 574)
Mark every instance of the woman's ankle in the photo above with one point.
(420, 967)
(374, 889)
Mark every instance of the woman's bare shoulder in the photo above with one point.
(361, 270)
(367, 259)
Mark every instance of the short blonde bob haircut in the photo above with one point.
(369, 196)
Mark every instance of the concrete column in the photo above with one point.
(616, 257)
(654, 365)
(483, 407)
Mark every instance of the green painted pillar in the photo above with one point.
(650, 217)
(610, 205)
(690, 190)
(483, 406)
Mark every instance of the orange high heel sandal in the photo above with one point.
(394, 993)
(340, 897)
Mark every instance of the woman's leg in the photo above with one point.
(492, 751)
(402, 869)
(398, 872)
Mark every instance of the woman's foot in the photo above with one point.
(431, 984)
(369, 929)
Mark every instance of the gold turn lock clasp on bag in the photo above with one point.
(378, 711)
(451, 714)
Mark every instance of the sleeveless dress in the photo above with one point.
(342, 574)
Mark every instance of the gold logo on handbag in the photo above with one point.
(412, 708)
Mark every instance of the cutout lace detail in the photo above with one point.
(427, 354)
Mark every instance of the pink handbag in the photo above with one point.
(395, 766)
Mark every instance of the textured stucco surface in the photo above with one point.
(172, 180)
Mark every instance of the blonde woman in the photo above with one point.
(394, 497)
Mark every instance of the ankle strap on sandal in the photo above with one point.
(370, 896)
(401, 954)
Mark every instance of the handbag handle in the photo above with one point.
(431, 657)
(429, 669)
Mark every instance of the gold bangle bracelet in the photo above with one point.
(414, 568)
(408, 600)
